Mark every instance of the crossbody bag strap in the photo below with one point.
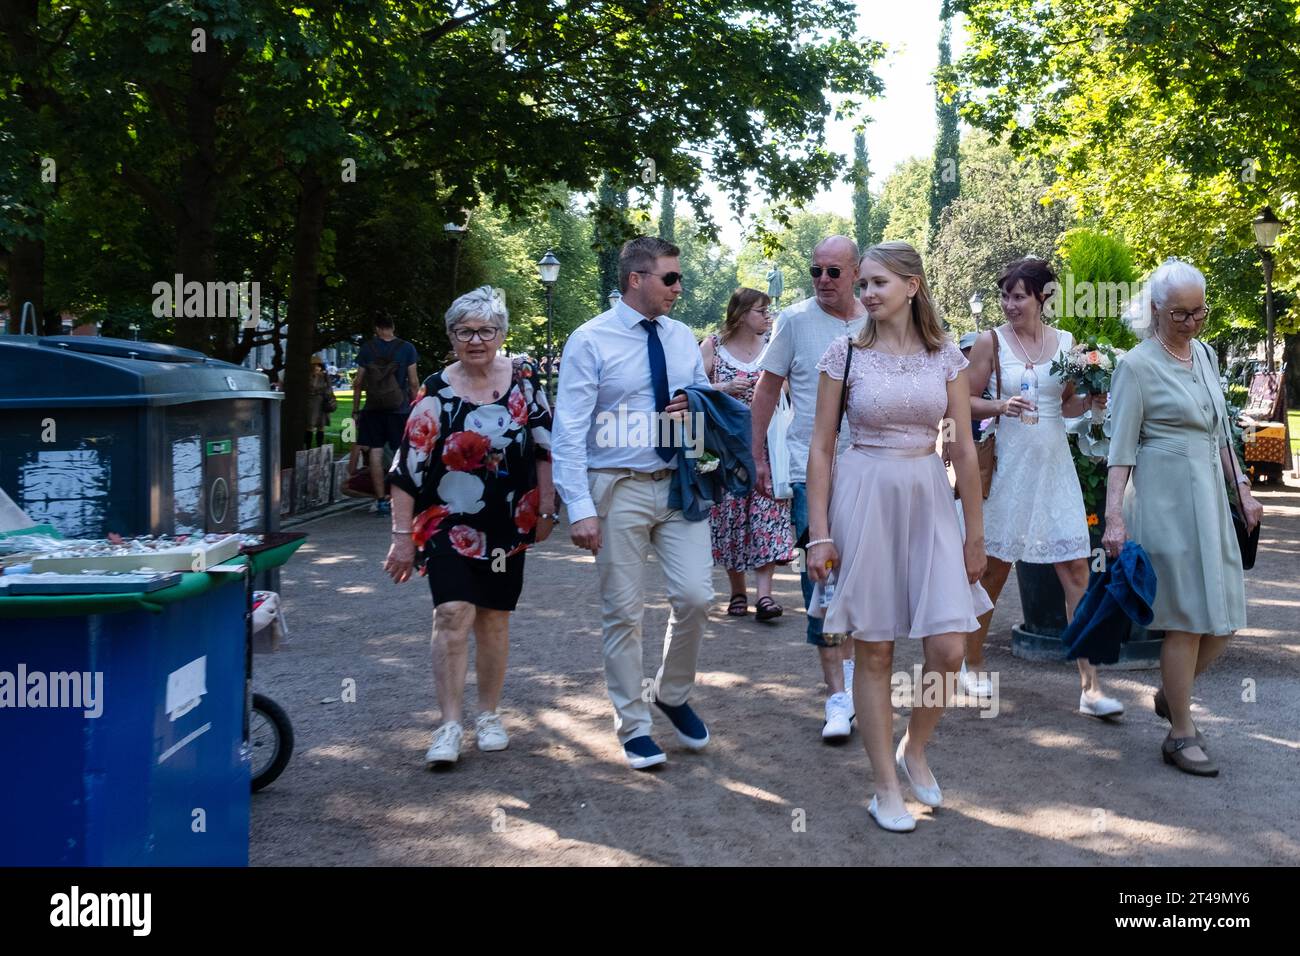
(844, 392)
(997, 372)
(1232, 450)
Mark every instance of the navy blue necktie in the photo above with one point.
(659, 377)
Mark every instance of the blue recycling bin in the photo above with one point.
(138, 759)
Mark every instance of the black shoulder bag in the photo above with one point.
(1248, 542)
(802, 543)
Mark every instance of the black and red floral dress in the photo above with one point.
(472, 469)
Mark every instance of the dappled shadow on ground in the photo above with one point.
(1036, 784)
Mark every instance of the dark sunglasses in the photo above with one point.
(832, 271)
(668, 278)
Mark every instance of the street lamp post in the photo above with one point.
(615, 298)
(1267, 228)
(977, 307)
(548, 270)
(455, 234)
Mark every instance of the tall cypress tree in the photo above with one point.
(861, 193)
(668, 216)
(610, 223)
(945, 178)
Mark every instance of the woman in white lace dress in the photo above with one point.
(1034, 511)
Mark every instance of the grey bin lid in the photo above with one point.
(76, 371)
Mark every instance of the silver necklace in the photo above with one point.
(1042, 350)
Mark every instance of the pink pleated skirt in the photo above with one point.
(901, 571)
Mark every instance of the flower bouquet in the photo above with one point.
(1088, 365)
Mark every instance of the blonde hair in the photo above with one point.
(903, 260)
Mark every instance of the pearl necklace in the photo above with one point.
(1186, 361)
(1042, 349)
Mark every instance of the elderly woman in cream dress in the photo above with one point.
(1168, 418)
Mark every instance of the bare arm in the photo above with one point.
(766, 394)
(709, 356)
(356, 390)
(978, 375)
(1250, 505)
(821, 455)
(966, 464)
(413, 379)
(401, 551)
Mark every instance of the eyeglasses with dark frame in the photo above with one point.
(668, 278)
(1196, 315)
(485, 334)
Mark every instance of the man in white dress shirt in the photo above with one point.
(613, 467)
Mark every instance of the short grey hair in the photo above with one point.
(1171, 274)
(485, 303)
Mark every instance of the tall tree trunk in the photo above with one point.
(1291, 356)
(309, 226)
(19, 21)
(27, 284)
(199, 189)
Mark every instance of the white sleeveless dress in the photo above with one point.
(1034, 511)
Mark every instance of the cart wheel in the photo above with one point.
(270, 735)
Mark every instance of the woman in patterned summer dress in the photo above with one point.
(1035, 509)
(472, 491)
(752, 533)
(881, 518)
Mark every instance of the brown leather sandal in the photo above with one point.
(739, 605)
(1172, 751)
(766, 609)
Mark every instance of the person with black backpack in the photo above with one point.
(386, 369)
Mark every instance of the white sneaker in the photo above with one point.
(1099, 706)
(848, 677)
(839, 717)
(445, 748)
(972, 685)
(491, 735)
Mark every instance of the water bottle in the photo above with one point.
(1029, 393)
(828, 589)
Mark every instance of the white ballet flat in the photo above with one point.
(930, 796)
(1101, 707)
(903, 823)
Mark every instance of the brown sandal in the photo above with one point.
(1172, 751)
(739, 606)
(766, 609)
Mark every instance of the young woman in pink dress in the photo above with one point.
(885, 523)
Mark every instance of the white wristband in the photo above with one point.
(821, 541)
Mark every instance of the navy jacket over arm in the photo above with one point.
(726, 429)
(1124, 592)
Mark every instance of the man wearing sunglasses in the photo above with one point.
(799, 340)
(623, 366)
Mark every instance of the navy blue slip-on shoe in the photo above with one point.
(690, 729)
(642, 752)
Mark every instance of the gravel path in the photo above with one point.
(1036, 784)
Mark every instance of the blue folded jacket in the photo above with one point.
(1124, 592)
(726, 429)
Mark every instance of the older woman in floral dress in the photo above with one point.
(472, 490)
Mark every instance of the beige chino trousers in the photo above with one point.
(634, 521)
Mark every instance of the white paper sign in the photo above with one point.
(185, 687)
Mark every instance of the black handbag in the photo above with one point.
(802, 543)
(1248, 542)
